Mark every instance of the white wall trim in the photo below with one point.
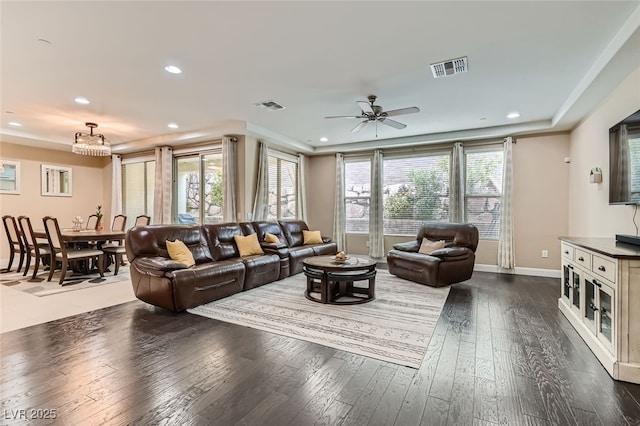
(536, 272)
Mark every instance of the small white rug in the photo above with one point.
(395, 327)
(41, 287)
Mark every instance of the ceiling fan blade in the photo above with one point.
(365, 107)
(346, 116)
(392, 123)
(401, 111)
(359, 126)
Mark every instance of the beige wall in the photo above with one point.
(541, 189)
(321, 183)
(89, 186)
(590, 214)
(539, 205)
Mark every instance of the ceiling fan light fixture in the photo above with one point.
(91, 144)
(375, 113)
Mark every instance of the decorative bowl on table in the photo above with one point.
(340, 257)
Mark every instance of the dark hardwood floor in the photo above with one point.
(501, 354)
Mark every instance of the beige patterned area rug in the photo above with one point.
(73, 281)
(395, 327)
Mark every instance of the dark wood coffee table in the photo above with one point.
(334, 282)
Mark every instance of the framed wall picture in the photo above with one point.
(56, 181)
(9, 177)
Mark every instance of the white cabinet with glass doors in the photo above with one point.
(600, 296)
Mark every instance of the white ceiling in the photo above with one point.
(549, 61)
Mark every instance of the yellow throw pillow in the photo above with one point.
(271, 239)
(179, 252)
(248, 245)
(428, 247)
(311, 237)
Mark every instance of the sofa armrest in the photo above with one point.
(451, 253)
(411, 246)
(157, 265)
(282, 250)
(272, 246)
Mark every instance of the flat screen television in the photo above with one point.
(624, 161)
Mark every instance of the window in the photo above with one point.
(415, 190)
(357, 191)
(483, 190)
(198, 194)
(283, 187)
(137, 189)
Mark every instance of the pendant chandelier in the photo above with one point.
(90, 144)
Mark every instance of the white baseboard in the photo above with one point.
(536, 272)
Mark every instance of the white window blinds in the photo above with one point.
(483, 190)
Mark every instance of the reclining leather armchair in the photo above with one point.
(298, 251)
(448, 265)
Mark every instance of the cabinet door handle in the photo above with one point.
(566, 252)
(593, 307)
(596, 282)
(602, 268)
(581, 259)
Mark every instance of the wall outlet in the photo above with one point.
(367, 243)
(545, 253)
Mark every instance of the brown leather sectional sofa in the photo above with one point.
(219, 270)
(451, 264)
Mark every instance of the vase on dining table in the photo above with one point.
(99, 217)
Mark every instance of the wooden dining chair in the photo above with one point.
(119, 223)
(33, 248)
(92, 222)
(115, 248)
(16, 242)
(142, 220)
(61, 253)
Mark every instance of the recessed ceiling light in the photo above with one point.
(81, 100)
(172, 125)
(172, 69)
(15, 124)
(513, 115)
(323, 139)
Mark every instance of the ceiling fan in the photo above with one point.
(372, 112)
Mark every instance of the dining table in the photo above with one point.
(71, 237)
(84, 235)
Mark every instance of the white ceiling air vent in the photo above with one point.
(270, 105)
(450, 67)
